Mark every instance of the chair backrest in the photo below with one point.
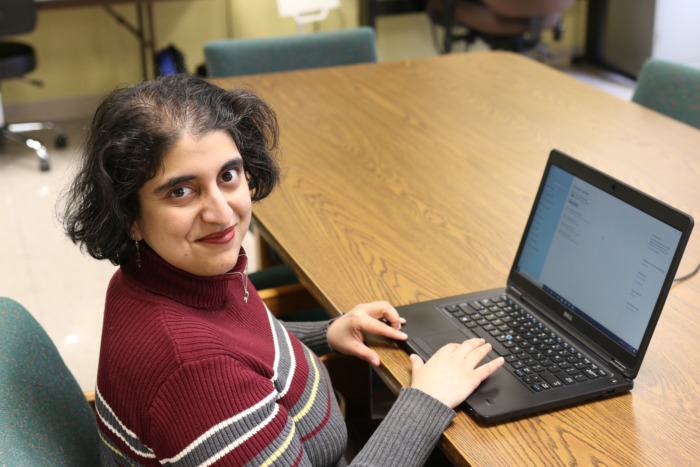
(503, 24)
(670, 88)
(506, 17)
(17, 16)
(44, 416)
(528, 8)
(234, 57)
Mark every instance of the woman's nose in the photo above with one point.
(216, 209)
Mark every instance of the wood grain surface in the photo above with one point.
(413, 180)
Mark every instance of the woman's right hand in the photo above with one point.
(452, 374)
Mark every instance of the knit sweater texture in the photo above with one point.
(191, 374)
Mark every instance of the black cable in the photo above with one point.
(689, 275)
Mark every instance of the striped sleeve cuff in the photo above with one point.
(408, 433)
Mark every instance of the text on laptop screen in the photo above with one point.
(602, 258)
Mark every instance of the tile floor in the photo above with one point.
(44, 271)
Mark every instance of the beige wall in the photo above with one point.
(85, 52)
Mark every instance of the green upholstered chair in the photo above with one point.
(246, 56)
(671, 89)
(45, 419)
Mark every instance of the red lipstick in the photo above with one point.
(220, 237)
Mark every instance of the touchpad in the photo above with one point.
(435, 341)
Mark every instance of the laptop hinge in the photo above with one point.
(515, 292)
(618, 365)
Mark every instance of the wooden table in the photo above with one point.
(412, 180)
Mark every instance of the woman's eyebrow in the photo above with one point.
(234, 163)
(173, 183)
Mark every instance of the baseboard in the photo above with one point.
(69, 108)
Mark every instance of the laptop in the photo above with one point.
(594, 267)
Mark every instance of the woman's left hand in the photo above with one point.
(345, 334)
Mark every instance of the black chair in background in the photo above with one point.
(16, 60)
(516, 26)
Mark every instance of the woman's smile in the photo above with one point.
(221, 237)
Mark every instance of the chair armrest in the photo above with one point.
(90, 396)
(287, 299)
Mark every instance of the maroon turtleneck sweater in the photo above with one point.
(191, 374)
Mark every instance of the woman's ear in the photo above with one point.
(136, 232)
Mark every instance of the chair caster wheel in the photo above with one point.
(61, 142)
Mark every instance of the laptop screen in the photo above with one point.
(604, 260)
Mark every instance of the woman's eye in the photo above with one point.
(229, 175)
(180, 192)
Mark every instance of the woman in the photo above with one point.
(193, 369)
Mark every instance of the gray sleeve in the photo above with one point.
(411, 429)
(311, 333)
(408, 433)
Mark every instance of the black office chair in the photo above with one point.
(502, 24)
(16, 60)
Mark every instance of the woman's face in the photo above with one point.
(196, 210)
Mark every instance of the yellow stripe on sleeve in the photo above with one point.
(281, 449)
(314, 389)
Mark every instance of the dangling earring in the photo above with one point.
(138, 254)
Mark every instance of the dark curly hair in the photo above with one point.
(132, 130)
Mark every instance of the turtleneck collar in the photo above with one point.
(160, 277)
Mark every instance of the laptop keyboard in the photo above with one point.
(539, 357)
